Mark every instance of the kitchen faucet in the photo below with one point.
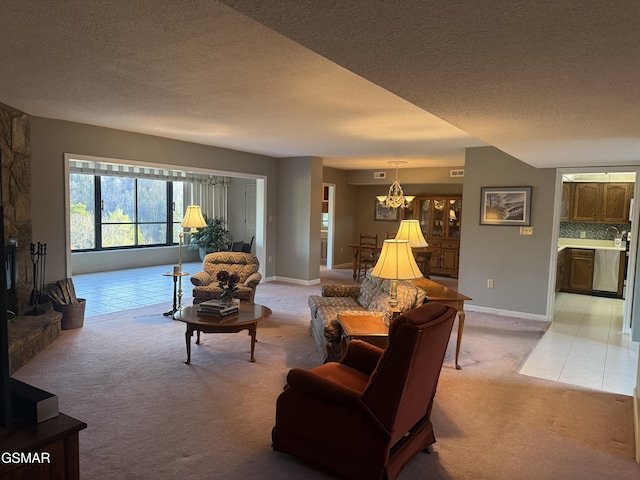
(617, 232)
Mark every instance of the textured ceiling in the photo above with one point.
(358, 83)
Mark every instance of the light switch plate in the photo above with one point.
(526, 230)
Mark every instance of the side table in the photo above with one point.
(177, 296)
(446, 296)
(369, 327)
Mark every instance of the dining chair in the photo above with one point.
(367, 254)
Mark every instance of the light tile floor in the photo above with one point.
(108, 292)
(585, 346)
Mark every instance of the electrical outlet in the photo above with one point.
(583, 234)
(490, 283)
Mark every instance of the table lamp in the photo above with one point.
(193, 219)
(410, 230)
(395, 263)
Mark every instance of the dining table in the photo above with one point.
(424, 264)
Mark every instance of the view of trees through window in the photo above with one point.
(112, 211)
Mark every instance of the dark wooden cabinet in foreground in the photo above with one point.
(51, 448)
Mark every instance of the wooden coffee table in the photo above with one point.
(247, 318)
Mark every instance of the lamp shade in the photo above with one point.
(410, 230)
(396, 261)
(193, 218)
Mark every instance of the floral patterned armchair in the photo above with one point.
(244, 265)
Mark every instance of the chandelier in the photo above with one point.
(395, 198)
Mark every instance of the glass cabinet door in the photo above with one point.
(438, 218)
(453, 218)
(407, 213)
(424, 216)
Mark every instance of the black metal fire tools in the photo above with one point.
(38, 259)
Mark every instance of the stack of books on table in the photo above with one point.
(217, 308)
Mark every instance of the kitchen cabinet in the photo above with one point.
(440, 219)
(615, 202)
(597, 202)
(585, 202)
(566, 202)
(580, 270)
(561, 275)
(591, 271)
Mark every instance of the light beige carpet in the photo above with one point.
(150, 416)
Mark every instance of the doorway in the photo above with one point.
(589, 341)
(327, 225)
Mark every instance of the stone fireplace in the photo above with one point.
(15, 153)
(28, 335)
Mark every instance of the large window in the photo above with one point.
(82, 210)
(116, 205)
(118, 211)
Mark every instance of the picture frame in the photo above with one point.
(385, 214)
(505, 206)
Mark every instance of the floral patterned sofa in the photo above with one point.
(372, 295)
(244, 265)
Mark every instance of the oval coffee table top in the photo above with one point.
(247, 313)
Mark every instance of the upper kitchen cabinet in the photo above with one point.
(586, 200)
(615, 202)
(566, 202)
(596, 202)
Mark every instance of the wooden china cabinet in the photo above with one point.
(440, 218)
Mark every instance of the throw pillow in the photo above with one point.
(368, 289)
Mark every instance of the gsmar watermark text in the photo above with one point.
(25, 457)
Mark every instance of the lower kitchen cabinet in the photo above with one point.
(580, 270)
(583, 270)
(561, 275)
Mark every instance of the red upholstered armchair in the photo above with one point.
(366, 416)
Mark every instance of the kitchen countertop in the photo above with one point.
(588, 243)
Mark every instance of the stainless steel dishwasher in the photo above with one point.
(605, 272)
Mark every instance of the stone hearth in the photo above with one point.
(29, 335)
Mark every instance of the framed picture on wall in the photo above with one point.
(385, 214)
(505, 206)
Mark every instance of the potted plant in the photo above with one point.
(212, 238)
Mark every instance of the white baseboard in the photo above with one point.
(505, 313)
(297, 281)
(636, 422)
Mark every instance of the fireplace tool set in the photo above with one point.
(38, 259)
